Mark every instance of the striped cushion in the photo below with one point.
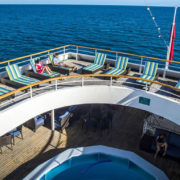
(120, 66)
(178, 85)
(50, 75)
(100, 59)
(121, 62)
(51, 59)
(25, 80)
(115, 71)
(150, 68)
(93, 67)
(145, 77)
(4, 90)
(13, 71)
(33, 64)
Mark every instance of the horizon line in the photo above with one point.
(91, 4)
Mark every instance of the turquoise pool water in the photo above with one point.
(97, 166)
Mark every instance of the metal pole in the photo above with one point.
(111, 81)
(82, 81)
(52, 120)
(64, 50)
(116, 56)
(56, 83)
(77, 53)
(168, 48)
(31, 92)
(140, 68)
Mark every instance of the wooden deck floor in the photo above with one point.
(44, 144)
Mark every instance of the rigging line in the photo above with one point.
(155, 23)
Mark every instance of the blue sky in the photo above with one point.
(98, 2)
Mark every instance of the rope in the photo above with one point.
(155, 23)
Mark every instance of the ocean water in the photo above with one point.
(26, 29)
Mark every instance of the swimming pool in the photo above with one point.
(97, 162)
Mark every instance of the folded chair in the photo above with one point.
(150, 73)
(97, 65)
(41, 76)
(120, 66)
(62, 70)
(16, 78)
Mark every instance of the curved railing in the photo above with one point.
(29, 89)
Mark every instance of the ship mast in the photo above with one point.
(170, 42)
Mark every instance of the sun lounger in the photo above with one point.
(41, 76)
(150, 73)
(120, 66)
(16, 78)
(97, 65)
(178, 85)
(5, 91)
(62, 70)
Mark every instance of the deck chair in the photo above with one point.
(120, 66)
(41, 76)
(5, 91)
(16, 78)
(150, 73)
(62, 70)
(97, 65)
(178, 85)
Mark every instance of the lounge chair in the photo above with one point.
(4, 91)
(120, 66)
(97, 65)
(150, 73)
(62, 70)
(178, 85)
(16, 78)
(41, 76)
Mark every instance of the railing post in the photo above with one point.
(82, 81)
(116, 56)
(146, 86)
(56, 84)
(52, 120)
(31, 92)
(164, 73)
(64, 50)
(95, 51)
(111, 81)
(77, 53)
(140, 67)
(8, 63)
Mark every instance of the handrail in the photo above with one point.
(85, 75)
(129, 54)
(22, 57)
(159, 59)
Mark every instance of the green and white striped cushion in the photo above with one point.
(145, 77)
(13, 71)
(150, 68)
(100, 59)
(178, 85)
(92, 67)
(33, 64)
(4, 91)
(120, 66)
(51, 59)
(25, 80)
(50, 75)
